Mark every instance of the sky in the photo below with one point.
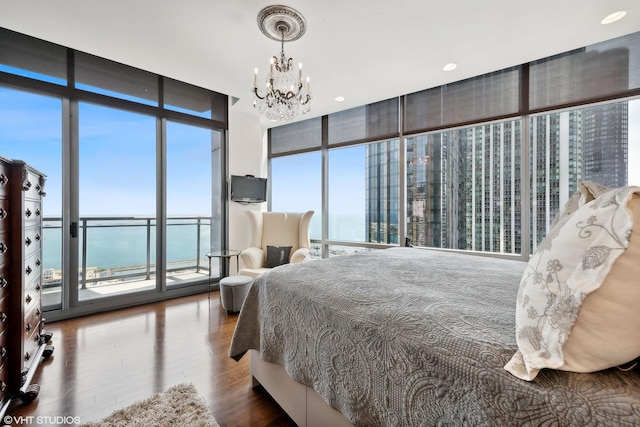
(117, 157)
(300, 175)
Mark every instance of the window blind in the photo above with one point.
(294, 137)
(33, 56)
(369, 122)
(475, 99)
(596, 71)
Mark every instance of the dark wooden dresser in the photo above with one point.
(4, 278)
(23, 341)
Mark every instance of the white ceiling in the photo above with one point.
(363, 50)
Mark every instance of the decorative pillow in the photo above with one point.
(578, 298)
(277, 255)
(587, 191)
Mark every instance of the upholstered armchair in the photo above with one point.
(277, 238)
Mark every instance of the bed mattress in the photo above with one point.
(411, 337)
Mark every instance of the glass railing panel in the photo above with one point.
(117, 255)
(114, 253)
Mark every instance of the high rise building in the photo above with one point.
(382, 182)
(464, 185)
(587, 144)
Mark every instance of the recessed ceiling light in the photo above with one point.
(339, 98)
(615, 16)
(450, 67)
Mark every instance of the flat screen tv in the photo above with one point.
(248, 189)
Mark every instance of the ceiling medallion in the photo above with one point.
(285, 93)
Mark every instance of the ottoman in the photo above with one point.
(233, 290)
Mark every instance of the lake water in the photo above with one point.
(127, 246)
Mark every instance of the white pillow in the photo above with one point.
(582, 280)
(587, 191)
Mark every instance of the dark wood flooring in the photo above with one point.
(107, 361)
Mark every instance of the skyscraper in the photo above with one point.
(464, 188)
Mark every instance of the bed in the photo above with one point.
(411, 337)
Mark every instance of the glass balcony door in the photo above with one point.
(116, 202)
(193, 227)
(135, 166)
(114, 164)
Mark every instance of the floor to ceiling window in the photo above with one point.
(363, 193)
(135, 164)
(347, 207)
(117, 201)
(463, 188)
(296, 186)
(599, 143)
(31, 130)
(193, 201)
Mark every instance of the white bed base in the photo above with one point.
(305, 407)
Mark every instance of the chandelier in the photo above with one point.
(285, 94)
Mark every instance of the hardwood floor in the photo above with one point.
(107, 361)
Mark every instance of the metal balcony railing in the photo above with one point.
(117, 249)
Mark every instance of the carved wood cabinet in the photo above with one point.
(23, 341)
(4, 278)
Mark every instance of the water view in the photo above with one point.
(118, 247)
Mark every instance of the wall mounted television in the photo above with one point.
(248, 189)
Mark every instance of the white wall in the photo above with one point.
(247, 155)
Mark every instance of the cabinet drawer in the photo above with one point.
(4, 280)
(4, 178)
(32, 266)
(31, 340)
(32, 212)
(4, 360)
(4, 312)
(32, 185)
(4, 247)
(30, 348)
(32, 240)
(4, 346)
(4, 214)
(31, 300)
(4, 380)
(32, 317)
(34, 286)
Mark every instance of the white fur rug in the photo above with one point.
(178, 406)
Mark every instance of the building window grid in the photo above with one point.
(483, 208)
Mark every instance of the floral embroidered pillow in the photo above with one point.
(578, 298)
(587, 191)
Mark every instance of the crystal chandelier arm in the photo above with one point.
(257, 94)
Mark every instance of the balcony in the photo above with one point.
(117, 255)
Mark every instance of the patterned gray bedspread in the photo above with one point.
(413, 337)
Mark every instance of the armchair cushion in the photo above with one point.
(277, 255)
(300, 255)
(252, 257)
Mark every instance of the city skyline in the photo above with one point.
(463, 186)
